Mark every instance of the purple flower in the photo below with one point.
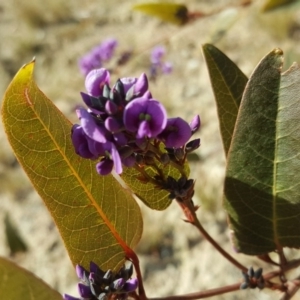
(81, 272)
(88, 62)
(157, 63)
(83, 145)
(95, 81)
(195, 124)
(112, 159)
(135, 87)
(157, 54)
(99, 284)
(93, 130)
(167, 67)
(176, 133)
(84, 291)
(106, 49)
(147, 117)
(99, 54)
(131, 285)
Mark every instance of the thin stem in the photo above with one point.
(204, 294)
(218, 247)
(283, 262)
(190, 213)
(135, 260)
(234, 287)
(292, 288)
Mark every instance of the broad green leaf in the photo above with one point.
(97, 219)
(272, 4)
(228, 83)
(17, 283)
(262, 184)
(150, 194)
(168, 12)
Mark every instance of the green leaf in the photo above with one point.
(168, 12)
(14, 240)
(272, 4)
(263, 169)
(149, 193)
(228, 83)
(17, 283)
(98, 220)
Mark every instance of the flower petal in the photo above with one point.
(95, 81)
(90, 128)
(195, 124)
(116, 159)
(104, 167)
(176, 133)
(144, 130)
(80, 142)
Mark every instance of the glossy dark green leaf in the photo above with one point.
(149, 193)
(166, 11)
(263, 169)
(98, 220)
(272, 4)
(228, 83)
(17, 283)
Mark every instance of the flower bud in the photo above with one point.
(131, 285)
(84, 291)
(95, 81)
(195, 124)
(179, 153)
(164, 158)
(192, 145)
(111, 108)
(117, 284)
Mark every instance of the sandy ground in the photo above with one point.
(174, 258)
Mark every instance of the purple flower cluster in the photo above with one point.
(100, 285)
(157, 63)
(122, 121)
(99, 54)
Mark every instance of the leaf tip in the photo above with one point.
(278, 51)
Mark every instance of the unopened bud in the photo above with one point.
(195, 124)
(164, 158)
(244, 286)
(179, 153)
(192, 145)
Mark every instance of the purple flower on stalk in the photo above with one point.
(131, 285)
(88, 62)
(146, 117)
(157, 54)
(97, 284)
(95, 81)
(157, 63)
(176, 133)
(83, 145)
(112, 159)
(99, 54)
(106, 49)
(93, 130)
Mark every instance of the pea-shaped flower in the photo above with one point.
(146, 117)
(95, 81)
(176, 133)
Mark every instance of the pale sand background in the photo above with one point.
(174, 258)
